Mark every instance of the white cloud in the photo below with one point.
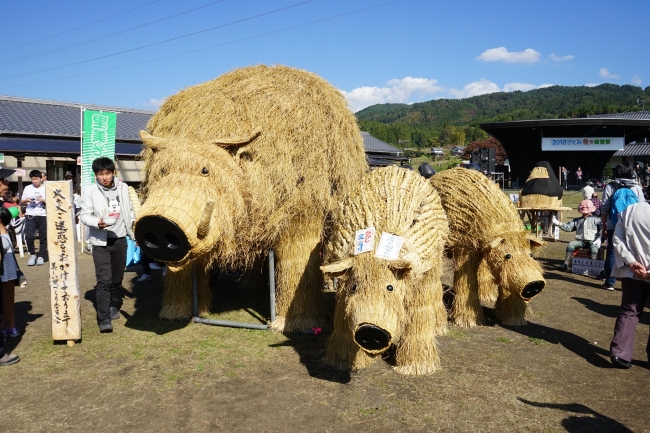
(395, 91)
(636, 80)
(156, 103)
(561, 58)
(524, 87)
(502, 54)
(483, 86)
(401, 91)
(605, 74)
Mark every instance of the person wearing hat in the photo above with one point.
(34, 198)
(588, 231)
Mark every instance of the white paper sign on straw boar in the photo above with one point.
(64, 283)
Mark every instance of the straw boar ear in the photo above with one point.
(237, 141)
(535, 242)
(492, 244)
(337, 268)
(402, 265)
(153, 143)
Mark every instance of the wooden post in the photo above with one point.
(64, 284)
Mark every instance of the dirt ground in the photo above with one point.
(552, 375)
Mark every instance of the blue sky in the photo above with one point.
(135, 53)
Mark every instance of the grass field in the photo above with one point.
(149, 375)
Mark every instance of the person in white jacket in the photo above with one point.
(106, 209)
(632, 265)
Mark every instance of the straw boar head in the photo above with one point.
(196, 193)
(375, 292)
(510, 260)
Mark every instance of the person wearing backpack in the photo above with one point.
(612, 206)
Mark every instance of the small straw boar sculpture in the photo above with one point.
(388, 303)
(253, 160)
(491, 251)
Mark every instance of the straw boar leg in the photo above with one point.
(300, 304)
(488, 291)
(511, 309)
(177, 299)
(341, 351)
(466, 308)
(416, 352)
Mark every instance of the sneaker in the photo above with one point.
(105, 326)
(32, 260)
(10, 332)
(40, 261)
(114, 313)
(8, 359)
(608, 287)
(563, 267)
(144, 277)
(154, 266)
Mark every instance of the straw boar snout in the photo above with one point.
(193, 198)
(374, 292)
(510, 260)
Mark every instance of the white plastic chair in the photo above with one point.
(19, 229)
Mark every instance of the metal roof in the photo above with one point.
(23, 116)
(372, 144)
(634, 150)
(638, 115)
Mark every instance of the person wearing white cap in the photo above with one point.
(588, 230)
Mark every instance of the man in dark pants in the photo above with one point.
(35, 219)
(631, 240)
(106, 210)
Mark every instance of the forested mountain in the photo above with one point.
(455, 121)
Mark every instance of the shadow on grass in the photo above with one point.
(576, 344)
(608, 310)
(592, 422)
(23, 319)
(310, 349)
(147, 296)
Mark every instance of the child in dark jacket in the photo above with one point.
(588, 231)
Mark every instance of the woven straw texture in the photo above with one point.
(275, 148)
(485, 228)
(399, 202)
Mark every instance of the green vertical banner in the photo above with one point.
(98, 139)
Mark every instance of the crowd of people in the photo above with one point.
(623, 222)
(621, 219)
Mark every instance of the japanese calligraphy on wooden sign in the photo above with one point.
(64, 284)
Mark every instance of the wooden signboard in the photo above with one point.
(64, 284)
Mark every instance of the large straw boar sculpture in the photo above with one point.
(388, 303)
(491, 251)
(253, 160)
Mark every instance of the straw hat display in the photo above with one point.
(542, 190)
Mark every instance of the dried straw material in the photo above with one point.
(411, 311)
(135, 201)
(177, 298)
(275, 148)
(489, 248)
(551, 194)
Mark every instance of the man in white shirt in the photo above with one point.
(34, 198)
